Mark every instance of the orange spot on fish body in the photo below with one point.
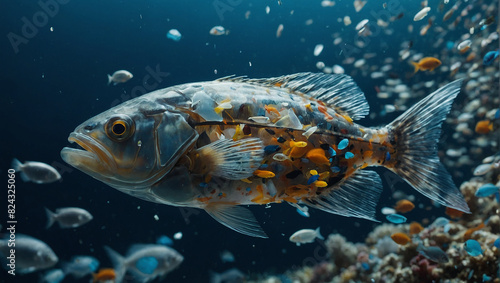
(297, 191)
(453, 213)
(404, 205)
(204, 199)
(298, 152)
(263, 174)
(271, 109)
(317, 155)
(323, 110)
(415, 228)
(400, 238)
(260, 199)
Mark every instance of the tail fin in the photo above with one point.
(318, 234)
(415, 65)
(110, 79)
(51, 217)
(118, 262)
(416, 133)
(18, 166)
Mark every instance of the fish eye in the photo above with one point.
(120, 128)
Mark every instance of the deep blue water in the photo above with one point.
(57, 80)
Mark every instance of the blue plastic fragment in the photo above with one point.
(486, 278)
(203, 185)
(147, 265)
(387, 156)
(343, 144)
(348, 155)
(396, 218)
(497, 243)
(365, 266)
(164, 240)
(312, 179)
(490, 57)
(331, 151)
(497, 114)
(303, 213)
(470, 274)
(335, 169)
(473, 247)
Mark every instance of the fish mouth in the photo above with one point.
(93, 158)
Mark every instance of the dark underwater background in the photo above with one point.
(57, 79)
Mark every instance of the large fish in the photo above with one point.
(237, 141)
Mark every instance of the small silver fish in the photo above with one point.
(36, 172)
(232, 275)
(433, 253)
(165, 260)
(31, 254)
(53, 276)
(68, 217)
(305, 236)
(120, 76)
(81, 266)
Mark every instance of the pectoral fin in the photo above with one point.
(236, 218)
(232, 160)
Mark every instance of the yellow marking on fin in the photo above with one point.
(364, 165)
(264, 174)
(349, 119)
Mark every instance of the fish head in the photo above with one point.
(131, 146)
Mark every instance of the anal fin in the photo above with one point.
(236, 218)
(355, 197)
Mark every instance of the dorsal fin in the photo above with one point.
(337, 91)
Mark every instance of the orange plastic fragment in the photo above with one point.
(453, 213)
(415, 228)
(404, 205)
(400, 238)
